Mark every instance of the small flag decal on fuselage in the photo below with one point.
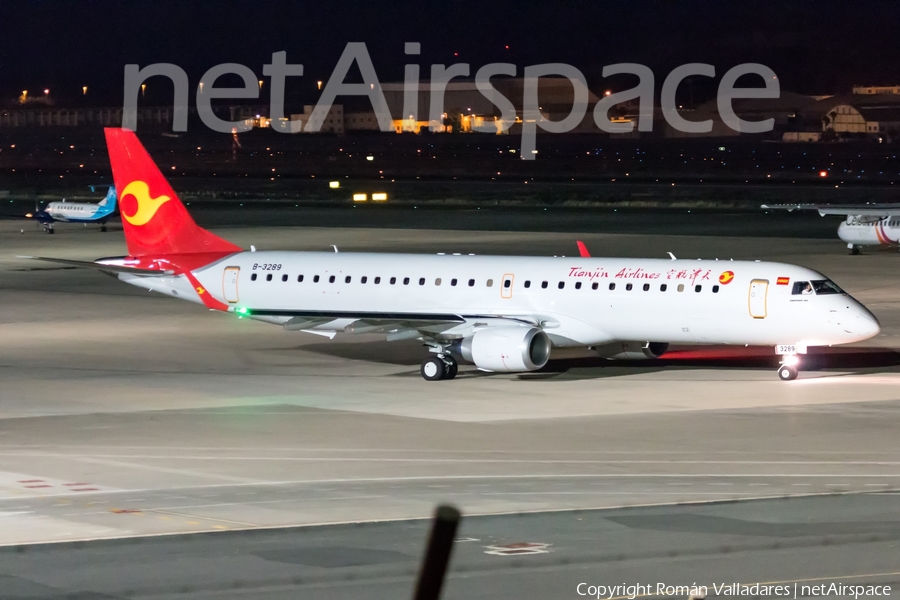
(783, 281)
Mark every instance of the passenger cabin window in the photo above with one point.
(543, 285)
(377, 280)
(629, 287)
(577, 285)
(421, 281)
(284, 277)
(331, 279)
(393, 280)
(697, 288)
(663, 287)
(471, 283)
(715, 289)
(269, 277)
(299, 278)
(646, 287)
(363, 279)
(561, 285)
(452, 282)
(802, 288)
(490, 283)
(595, 285)
(680, 287)
(316, 279)
(612, 286)
(347, 279)
(437, 281)
(527, 283)
(406, 281)
(253, 277)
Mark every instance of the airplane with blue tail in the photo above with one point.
(76, 212)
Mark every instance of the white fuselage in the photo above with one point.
(577, 301)
(870, 231)
(75, 212)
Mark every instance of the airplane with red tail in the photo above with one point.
(502, 313)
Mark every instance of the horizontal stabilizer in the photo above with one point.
(100, 266)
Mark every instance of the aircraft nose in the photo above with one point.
(866, 324)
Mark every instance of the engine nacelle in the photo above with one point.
(632, 350)
(507, 349)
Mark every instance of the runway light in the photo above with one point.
(379, 197)
(360, 197)
(823, 173)
(334, 184)
(370, 158)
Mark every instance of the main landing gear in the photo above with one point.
(854, 249)
(788, 370)
(48, 228)
(439, 366)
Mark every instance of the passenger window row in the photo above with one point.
(507, 283)
(628, 286)
(377, 280)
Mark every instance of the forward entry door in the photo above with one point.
(759, 289)
(230, 284)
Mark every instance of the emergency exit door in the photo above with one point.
(759, 289)
(506, 286)
(230, 284)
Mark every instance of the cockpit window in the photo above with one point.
(802, 288)
(824, 286)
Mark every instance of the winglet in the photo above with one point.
(672, 256)
(582, 250)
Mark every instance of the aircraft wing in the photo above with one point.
(861, 210)
(396, 326)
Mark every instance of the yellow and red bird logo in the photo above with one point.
(726, 277)
(146, 205)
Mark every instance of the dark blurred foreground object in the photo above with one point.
(437, 556)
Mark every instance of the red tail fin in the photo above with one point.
(154, 219)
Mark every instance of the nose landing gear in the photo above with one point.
(788, 370)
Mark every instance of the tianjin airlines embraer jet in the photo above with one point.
(502, 313)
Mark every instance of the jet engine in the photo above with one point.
(632, 350)
(507, 349)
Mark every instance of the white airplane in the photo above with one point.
(502, 313)
(865, 225)
(76, 212)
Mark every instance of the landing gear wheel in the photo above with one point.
(452, 367)
(433, 369)
(787, 372)
(854, 250)
(51, 231)
(103, 228)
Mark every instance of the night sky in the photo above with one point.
(815, 47)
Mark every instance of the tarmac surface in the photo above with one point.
(124, 413)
